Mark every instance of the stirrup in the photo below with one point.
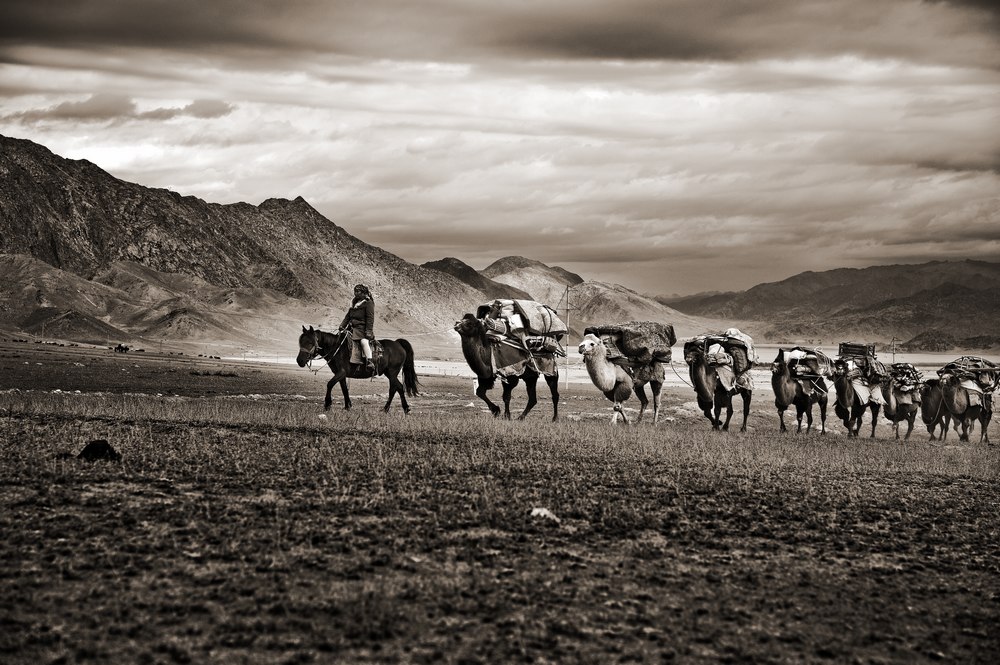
(370, 364)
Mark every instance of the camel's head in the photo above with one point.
(778, 365)
(591, 344)
(468, 326)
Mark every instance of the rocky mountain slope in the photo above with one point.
(935, 300)
(545, 284)
(86, 223)
(469, 275)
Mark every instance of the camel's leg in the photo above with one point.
(481, 394)
(909, 424)
(822, 401)
(724, 399)
(746, 395)
(875, 410)
(781, 418)
(640, 392)
(553, 382)
(656, 388)
(809, 416)
(799, 412)
(508, 388)
(530, 384)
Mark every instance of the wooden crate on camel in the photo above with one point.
(864, 370)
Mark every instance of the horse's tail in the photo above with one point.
(409, 369)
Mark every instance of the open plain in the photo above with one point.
(245, 525)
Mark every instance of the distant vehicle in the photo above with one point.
(121, 348)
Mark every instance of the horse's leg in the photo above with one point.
(395, 386)
(341, 378)
(640, 392)
(531, 385)
(553, 382)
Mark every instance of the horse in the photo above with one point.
(712, 394)
(789, 390)
(849, 406)
(479, 352)
(335, 348)
(932, 408)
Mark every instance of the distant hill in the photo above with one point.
(151, 245)
(545, 284)
(469, 275)
(957, 300)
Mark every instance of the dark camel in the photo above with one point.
(849, 406)
(712, 395)
(959, 403)
(932, 408)
(801, 393)
(478, 352)
(897, 409)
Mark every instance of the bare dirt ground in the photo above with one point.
(245, 525)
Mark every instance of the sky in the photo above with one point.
(672, 146)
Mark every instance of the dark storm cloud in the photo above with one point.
(113, 107)
(471, 31)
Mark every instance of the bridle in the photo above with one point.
(317, 350)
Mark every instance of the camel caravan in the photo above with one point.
(521, 340)
(514, 340)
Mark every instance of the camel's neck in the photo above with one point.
(601, 372)
(785, 387)
(845, 391)
(703, 380)
(477, 355)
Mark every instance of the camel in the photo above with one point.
(712, 395)
(478, 353)
(897, 408)
(789, 390)
(611, 379)
(849, 406)
(964, 409)
(932, 409)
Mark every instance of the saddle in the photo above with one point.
(358, 354)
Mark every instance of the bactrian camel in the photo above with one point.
(610, 379)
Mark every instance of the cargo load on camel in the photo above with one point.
(527, 325)
(975, 373)
(732, 354)
(908, 380)
(864, 370)
(636, 343)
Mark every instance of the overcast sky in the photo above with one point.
(672, 146)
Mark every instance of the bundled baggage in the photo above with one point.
(636, 342)
(527, 324)
(983, 374)
(906, 377)
(730, 352)
(804, 363)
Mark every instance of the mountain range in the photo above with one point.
(87, 257)
(930, 306)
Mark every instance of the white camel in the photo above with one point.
(611, 379)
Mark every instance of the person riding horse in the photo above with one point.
(360, 320)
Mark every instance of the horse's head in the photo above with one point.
(590, 344)
(308, 346)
